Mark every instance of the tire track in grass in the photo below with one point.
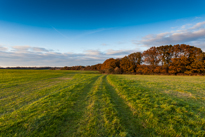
(21, 87)
(21, 81)
(35, 95)
(100, 118)
(15, 101)
(24, 90)
(87, 124)
(71, 124)
(49, 116)
(158, 115)
(125, 112)
(30, 85)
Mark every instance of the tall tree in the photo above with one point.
(186, 59)
(151, 56)
(135, 58)
(108, 64)
(126, 65)
(165, 56)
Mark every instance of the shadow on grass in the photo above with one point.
(56, 115)
(127, 118)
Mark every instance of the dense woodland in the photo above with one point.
(170, 59)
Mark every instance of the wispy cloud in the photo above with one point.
(90, 32)
(119, 52)
(23, 49)
(197, 17)
(59, 32)
(104, 44)
(185, 26)
(198, 25)
(37, 49)
(121, 42)
(195, 34)
(3, 48)
(95, 31)
(38, 56)
(93, 52)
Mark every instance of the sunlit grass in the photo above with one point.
(84, 103)
(162, 113)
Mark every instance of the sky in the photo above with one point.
(86, 32)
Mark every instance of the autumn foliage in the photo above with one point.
(168, 59)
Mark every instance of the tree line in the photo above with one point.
(168, 59)
(19, 67)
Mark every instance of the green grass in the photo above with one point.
(162, 113)
(85, 103)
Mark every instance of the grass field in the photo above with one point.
(85, 103)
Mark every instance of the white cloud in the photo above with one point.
(37, 49)
(21, 48)
(119, 52)
(93, 52)
(198, 17)
(37, 56)
(104, 44)
(195, 34)
(185, 26)
(3, 48)
(198, 25)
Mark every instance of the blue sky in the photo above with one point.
(86, 32)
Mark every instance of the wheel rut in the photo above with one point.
(126, 115)
(79, 108)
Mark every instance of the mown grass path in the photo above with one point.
(127, 117)
(100, 117)
(70, 124)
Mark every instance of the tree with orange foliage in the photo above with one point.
(151, 56)
(165, 56)
(164, 59)
(186, 59)
(110, 64)
(136, 59)
(126, 65)
(144, 69)
(107, 64)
